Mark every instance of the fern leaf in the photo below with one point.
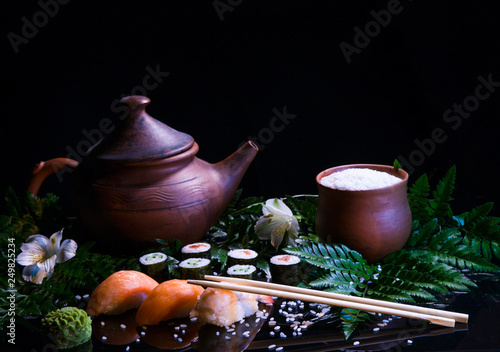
(334, 258)
(339, 282)
(440, 207)
(420, 236)
(352, 319)
(417, 197)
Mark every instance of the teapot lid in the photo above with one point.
(140, 137)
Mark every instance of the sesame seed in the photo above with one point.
(123, 326)
(355, 343)
(104, 338)
(271, 347)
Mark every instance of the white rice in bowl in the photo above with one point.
(359, 179)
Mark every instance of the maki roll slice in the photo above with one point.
(242, 271)
(155, 265)
(195, 268)
(196, 250)
(285, 269)
(242, 257)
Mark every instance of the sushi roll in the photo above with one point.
(285, 269)
(196, 250)
(242, 257)
(242, 271)
(195, 268)
(155, 265)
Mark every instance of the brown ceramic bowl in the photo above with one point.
(373, 222)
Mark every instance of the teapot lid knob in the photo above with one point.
(140, 137)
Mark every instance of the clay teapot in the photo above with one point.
(373, 222)
(143, 182)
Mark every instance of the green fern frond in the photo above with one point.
(334, 258)
(352, 319)
(418, 195)
(422, 234)
(439, 207)
(339, 282)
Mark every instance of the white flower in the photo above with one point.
(276, 221)
(40, 254)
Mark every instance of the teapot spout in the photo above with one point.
(232, 169)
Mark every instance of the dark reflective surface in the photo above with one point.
(309, 328)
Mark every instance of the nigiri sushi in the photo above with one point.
(223, 307)
(169, 300)
(120, 292)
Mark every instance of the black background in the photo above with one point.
(230, 68)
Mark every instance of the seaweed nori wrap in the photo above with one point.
(242, 271)
(155, 265)
(196, 250)
(285, 269)
(242, 257)
(195, 268)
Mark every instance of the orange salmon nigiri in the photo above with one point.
(120, 292)
(169, 300)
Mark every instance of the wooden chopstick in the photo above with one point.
(311, 296)
(459, 317)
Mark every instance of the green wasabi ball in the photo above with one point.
(68, 327)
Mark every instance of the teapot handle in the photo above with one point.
(47, 168)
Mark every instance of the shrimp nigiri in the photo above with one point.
(223, 307)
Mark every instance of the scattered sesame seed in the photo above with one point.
(277, 328)
(271, 347)
(282, 335)
(127, 348)
(246, 334)
(376, 329)
(272, 323)
(194, 319)
(176, 336)
(86, 297)
(271, 333)
(123, 326)
(143, 333)
(180, 340)
(355, 343)
(104, 338)
(409, 342)
(183, 326)
(217, 333)
(102, 323)
(227, 337)
(78, 297)
(279, 349)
